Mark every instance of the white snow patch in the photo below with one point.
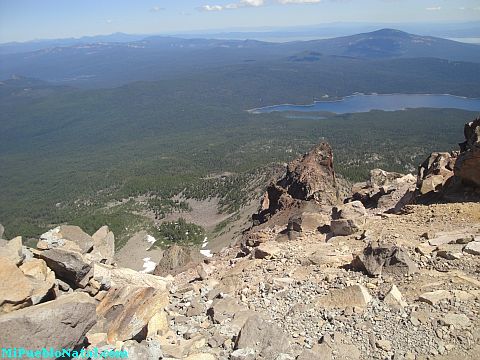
(206, 253)
(151, 240)
(148, 266)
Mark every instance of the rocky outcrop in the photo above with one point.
(467, 166)
(385, 191)
(61, 324)
(435, 172)
(447, 174)
(309, 178)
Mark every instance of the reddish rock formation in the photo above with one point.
(309, 178)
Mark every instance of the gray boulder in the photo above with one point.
(2, 231)
(265, 338)
(69, 266)
(378, 259)
(61, 323)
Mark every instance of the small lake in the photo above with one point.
(391, 102)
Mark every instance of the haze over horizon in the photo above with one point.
(26, 20)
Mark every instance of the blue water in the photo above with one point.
(364, 103)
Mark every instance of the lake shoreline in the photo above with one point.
(362, 96)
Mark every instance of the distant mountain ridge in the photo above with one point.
(28, 46)
(103, 64)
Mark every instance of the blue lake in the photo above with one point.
(391, 102)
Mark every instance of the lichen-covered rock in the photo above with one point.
(62, 235)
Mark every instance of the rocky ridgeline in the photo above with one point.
(374, 277)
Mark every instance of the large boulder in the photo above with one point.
(15, 288)
(2, 231)
(65, 235)
(69, 266)
(125, 312)
(119, 277)
(351, 296)
(380, 259)
(13, 250)
(177, 259)
(61, 323)
(467, 166)
(103, 246)
(348, 219)
(309, 178)
(266, 339)
(41, 278)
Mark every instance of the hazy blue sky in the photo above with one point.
(32, 19)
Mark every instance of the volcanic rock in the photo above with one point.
(467, 166)
(41, 278)
(309, 178)
(119, 277)
(265, 338)
(177, 259)
(56, 237)
(349, 219)
(15, 288)
(435, 171)
(377, 259)
(103, 246)
(351, 296)
(61, 323)
(386, 191)
(69, 266)
(125, 312)
(472, 248)
(13, 250)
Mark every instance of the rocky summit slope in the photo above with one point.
(392, 272)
